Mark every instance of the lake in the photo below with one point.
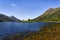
(12, 28)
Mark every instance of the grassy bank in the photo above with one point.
(51, 32)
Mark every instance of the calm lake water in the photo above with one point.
(11, 28)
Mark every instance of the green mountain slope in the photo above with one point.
(52, 14)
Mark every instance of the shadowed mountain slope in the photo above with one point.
(4, 18)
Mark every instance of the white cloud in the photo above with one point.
(14, 5)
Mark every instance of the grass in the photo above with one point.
(46, 33)
(51, 32)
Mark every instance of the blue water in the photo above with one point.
(11, 28)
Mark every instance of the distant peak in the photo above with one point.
(12, 16)
(58, 7)
(50, 9)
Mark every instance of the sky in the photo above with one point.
(25, 9)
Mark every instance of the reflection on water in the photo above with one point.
(11, 28)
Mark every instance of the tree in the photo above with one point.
(1, 21)
(29, 19)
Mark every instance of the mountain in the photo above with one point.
(4, 18)
(52, 14)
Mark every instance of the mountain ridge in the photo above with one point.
(48, 14)
(4, 18)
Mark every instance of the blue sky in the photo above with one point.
(24, 9)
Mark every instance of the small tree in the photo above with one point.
(1, 21)
(29, 19)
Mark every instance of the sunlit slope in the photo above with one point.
(52, 14)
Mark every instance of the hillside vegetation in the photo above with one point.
(52, 14)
